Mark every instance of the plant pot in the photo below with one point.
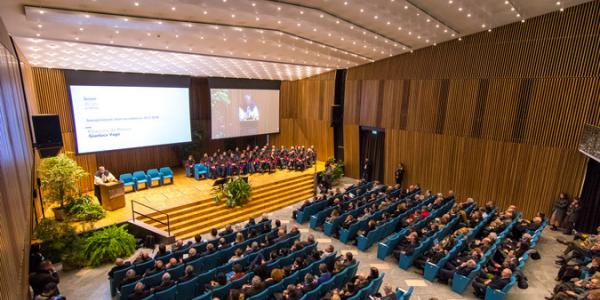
(59, 213)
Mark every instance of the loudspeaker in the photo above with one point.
(337, 114)
(48, 137)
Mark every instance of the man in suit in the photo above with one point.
(399, 174)
(367, 170)
(254, 288)
(497, 283)
(102, 177)
(463, 269)
(120, 264)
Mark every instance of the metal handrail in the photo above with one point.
(133, 212)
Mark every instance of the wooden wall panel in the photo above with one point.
(16, 183)
(496, 116)
(305, 114)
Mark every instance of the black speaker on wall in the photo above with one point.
(336, 115)
(48, 137)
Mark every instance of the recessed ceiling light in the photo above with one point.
(205, 12)
(468, 15)
(405, 6)
(482, 25)
(80, 28)
(375, 17)
(351, 26)
(523, 21)
(450, 1)
(147, 33)
(278, 21)
(399, 28)
(562, 9)
(253, 4)
(257, 19)
(112, 42)
(37, 34)
(87, 16)
(337, 21)
(77, 38)
(173, 8)
(278, 7)
(42, 11)
(314, 29)
(460, 9)
(116, 31)
(136, 3)
(345, 2)
(233, 16)
(301, 12)
(460, 39)
(126, 20)
(177, 36)
(298, 24)
(362, 10)
(557, 2)
(40, 26)
(321, 15)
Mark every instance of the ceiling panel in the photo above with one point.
(280, 36)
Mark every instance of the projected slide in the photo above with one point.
(242, 112)
(115, 117)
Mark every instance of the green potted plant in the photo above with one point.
(59, 177)
(235, 193)
(107, 244)
(83, 208)
(60, 243)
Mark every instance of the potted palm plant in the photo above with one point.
(59, 177)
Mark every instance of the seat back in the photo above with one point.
(139, 176)
(126, 178)
(177, 271)
(153, 173)
(153, 280)
(166, 171)
(187, 289)
(142, 267)
(168, 294)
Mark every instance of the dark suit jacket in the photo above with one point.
(498, 283)
(39, 279)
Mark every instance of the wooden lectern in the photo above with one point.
(113, 195)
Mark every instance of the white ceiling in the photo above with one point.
(265, 39)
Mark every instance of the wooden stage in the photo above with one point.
(191, 208)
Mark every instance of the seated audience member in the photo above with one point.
(464, 269)
(498, 283)
(238, 272)
(179, 246)
(158, 266)
(139, 292)
(44, 275)
(142, 257)
(308, 284)
(130, 277)
(228, 230)
(291, 293)
(173, 262)
(162, 251)
(192, 255)
(324, 274)
(406, 245)
(187, 275)
(120, 264)
(49, 292)
(197, 241)
(214, 234)
(165, 282)
(256, 286)
(580, 289)
(432, 255)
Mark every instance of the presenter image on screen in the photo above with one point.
(248, 111)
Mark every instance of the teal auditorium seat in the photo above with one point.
(154, 175)
(166, 173)
(404, 295)
(200, 170)
(168, 294)
(188, 289)
(153, 280)
(126, 290)
(177, 271)
(142, 267)
(128, 180)
(140, 177)
(205, 296)
(116, 279)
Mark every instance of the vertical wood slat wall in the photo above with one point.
(305, 114)
(496, 116)
(16, 165)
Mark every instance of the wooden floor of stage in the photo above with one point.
(183, 191)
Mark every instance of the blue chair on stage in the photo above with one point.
(200, 170)
(154, 176)
(128, 180)
(168, 294)
(140, 177)
(166, 173)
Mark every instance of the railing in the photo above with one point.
(133, 212)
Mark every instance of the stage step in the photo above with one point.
(203, 215)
